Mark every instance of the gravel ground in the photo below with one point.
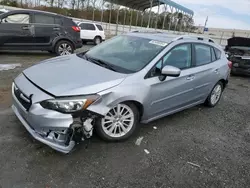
(199, 147)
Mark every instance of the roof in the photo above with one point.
(163, 37)
(168, 38)
(145, 4)
(29, 10)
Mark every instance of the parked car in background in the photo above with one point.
(140, 78)
(91, 32)
(38, 30)
(238, 50)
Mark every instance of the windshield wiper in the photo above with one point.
(101, 63)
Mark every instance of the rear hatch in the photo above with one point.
(239, 52)
(73, 30)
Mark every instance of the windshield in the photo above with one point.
(127, 54)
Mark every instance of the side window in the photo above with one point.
(58, 20)
(99, 27)
(87, 26)
(84, 26)
(217, 53)
(213, 54)
(44, 19)
(180, 57)
(91, 27)
(202, 54)
(17, 18)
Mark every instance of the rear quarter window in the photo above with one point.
(69, 22)
(217, 53)
(99, 27)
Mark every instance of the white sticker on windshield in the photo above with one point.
(159, 43)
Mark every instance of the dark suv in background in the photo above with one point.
(38, 30)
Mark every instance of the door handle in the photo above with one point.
(216, 71)
(25, 27)
(190, 77)
(56, 28)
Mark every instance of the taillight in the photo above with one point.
(76, 29)
(230, 64)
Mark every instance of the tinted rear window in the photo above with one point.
(99, 27)
(87, 26)
(69, 22)
(44, 19)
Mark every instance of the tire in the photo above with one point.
(84, 42)
(97, 40)
(112, 122)
(215, 95)
(64, 47)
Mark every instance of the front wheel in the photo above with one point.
(215, 95)
(119, 123)
(64, 48)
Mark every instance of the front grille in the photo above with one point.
(23, 99)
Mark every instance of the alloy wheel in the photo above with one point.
(216, 94)
(65, 49)
(118, 121)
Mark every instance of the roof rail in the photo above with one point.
(145, 31)
(194, 37)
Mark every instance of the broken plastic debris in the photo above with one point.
(154, 127)
(146, 151)
(138, 141)
(193, 164)
(9, 66)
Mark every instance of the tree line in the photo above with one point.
(98, 10)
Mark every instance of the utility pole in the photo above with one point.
(205, 25)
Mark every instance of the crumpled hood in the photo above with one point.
(72, 75)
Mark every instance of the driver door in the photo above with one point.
(16, 30)
(174, 93)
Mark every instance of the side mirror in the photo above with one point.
(170, 71)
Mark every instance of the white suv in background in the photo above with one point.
(91, 32)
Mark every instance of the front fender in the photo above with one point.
(117, 95)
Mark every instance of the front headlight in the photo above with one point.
(69, 104)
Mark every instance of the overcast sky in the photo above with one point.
(233, 14)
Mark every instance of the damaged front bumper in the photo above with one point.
(48, 141)
(59, 131)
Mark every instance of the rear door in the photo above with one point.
(206, 71)
(16, 30)
(88, 31)
(47, 27)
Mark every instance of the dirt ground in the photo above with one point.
(199, 147)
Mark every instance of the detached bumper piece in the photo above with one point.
(48, 141)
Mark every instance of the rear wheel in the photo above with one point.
(119, 123)
(97, 40)
(64, 48)
(215, 95)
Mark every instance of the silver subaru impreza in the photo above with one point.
(132, 78)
